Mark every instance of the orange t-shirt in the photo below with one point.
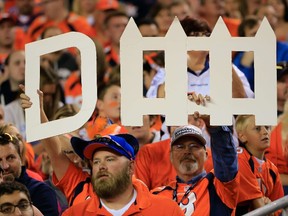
(145, 204)
(275, 151)
(208, 196)
(153, 165)
(72, 178)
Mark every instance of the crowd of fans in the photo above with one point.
(248, 171)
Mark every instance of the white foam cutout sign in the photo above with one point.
(175, 106)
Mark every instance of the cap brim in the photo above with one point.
(91, 148)
(201, 140)
(78, 146)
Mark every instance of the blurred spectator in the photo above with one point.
(49, 84)
(232, 9)
(181, 9)
(161, 14)
(103, 8)
(145, 134)
(24, 12)
(14, 70)
(281, 9)
(63, 62)
(56, 12)
(11, 37)
(148, 27)
(85, 8)
(210, 10)
(115, 23)
(245, 60)
(73, 87)
(282, 86)
(278, 151)
(249, 7)
(107, 108)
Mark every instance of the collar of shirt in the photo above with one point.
(194, 179)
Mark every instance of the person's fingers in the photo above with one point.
(22, 87)
(40, 93)
(201, 99)
(196, 115)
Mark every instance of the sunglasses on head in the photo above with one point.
(6, 138)
(113, 143)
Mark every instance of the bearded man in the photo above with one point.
(116, 191)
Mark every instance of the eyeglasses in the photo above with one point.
(6, 138)
(9, 208)
(182, 147)
(113, 143)
(200, 34)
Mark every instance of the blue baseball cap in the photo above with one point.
(124, 144)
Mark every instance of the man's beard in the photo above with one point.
(113, 185)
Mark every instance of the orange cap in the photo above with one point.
(107, 4)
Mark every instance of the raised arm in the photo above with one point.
(52, 145)
(224, 152)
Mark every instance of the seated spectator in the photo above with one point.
(14, 68)
(11, 37)
(153, 164)
(145, 134)
(26, 150)
(42, 196)
(259, 177)
(194, 190)
(107, 108)
(63, 62)
(116, 193)
(14, 194)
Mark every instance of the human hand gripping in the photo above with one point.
(198, 99)
(25, 99)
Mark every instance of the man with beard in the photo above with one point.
(42, 196)
(194, 190)
(117, 193)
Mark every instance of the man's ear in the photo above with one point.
(132, 166)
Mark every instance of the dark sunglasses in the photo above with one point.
(6, 138)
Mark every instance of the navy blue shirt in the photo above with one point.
(42, 195)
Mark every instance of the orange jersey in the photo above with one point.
(208, 196)
(232, 25)
(153, 165)
(75, 181)
(275, 152)
(145, 204)
(34, 175)
(73, 89)
(73, 22)
(257, 180)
